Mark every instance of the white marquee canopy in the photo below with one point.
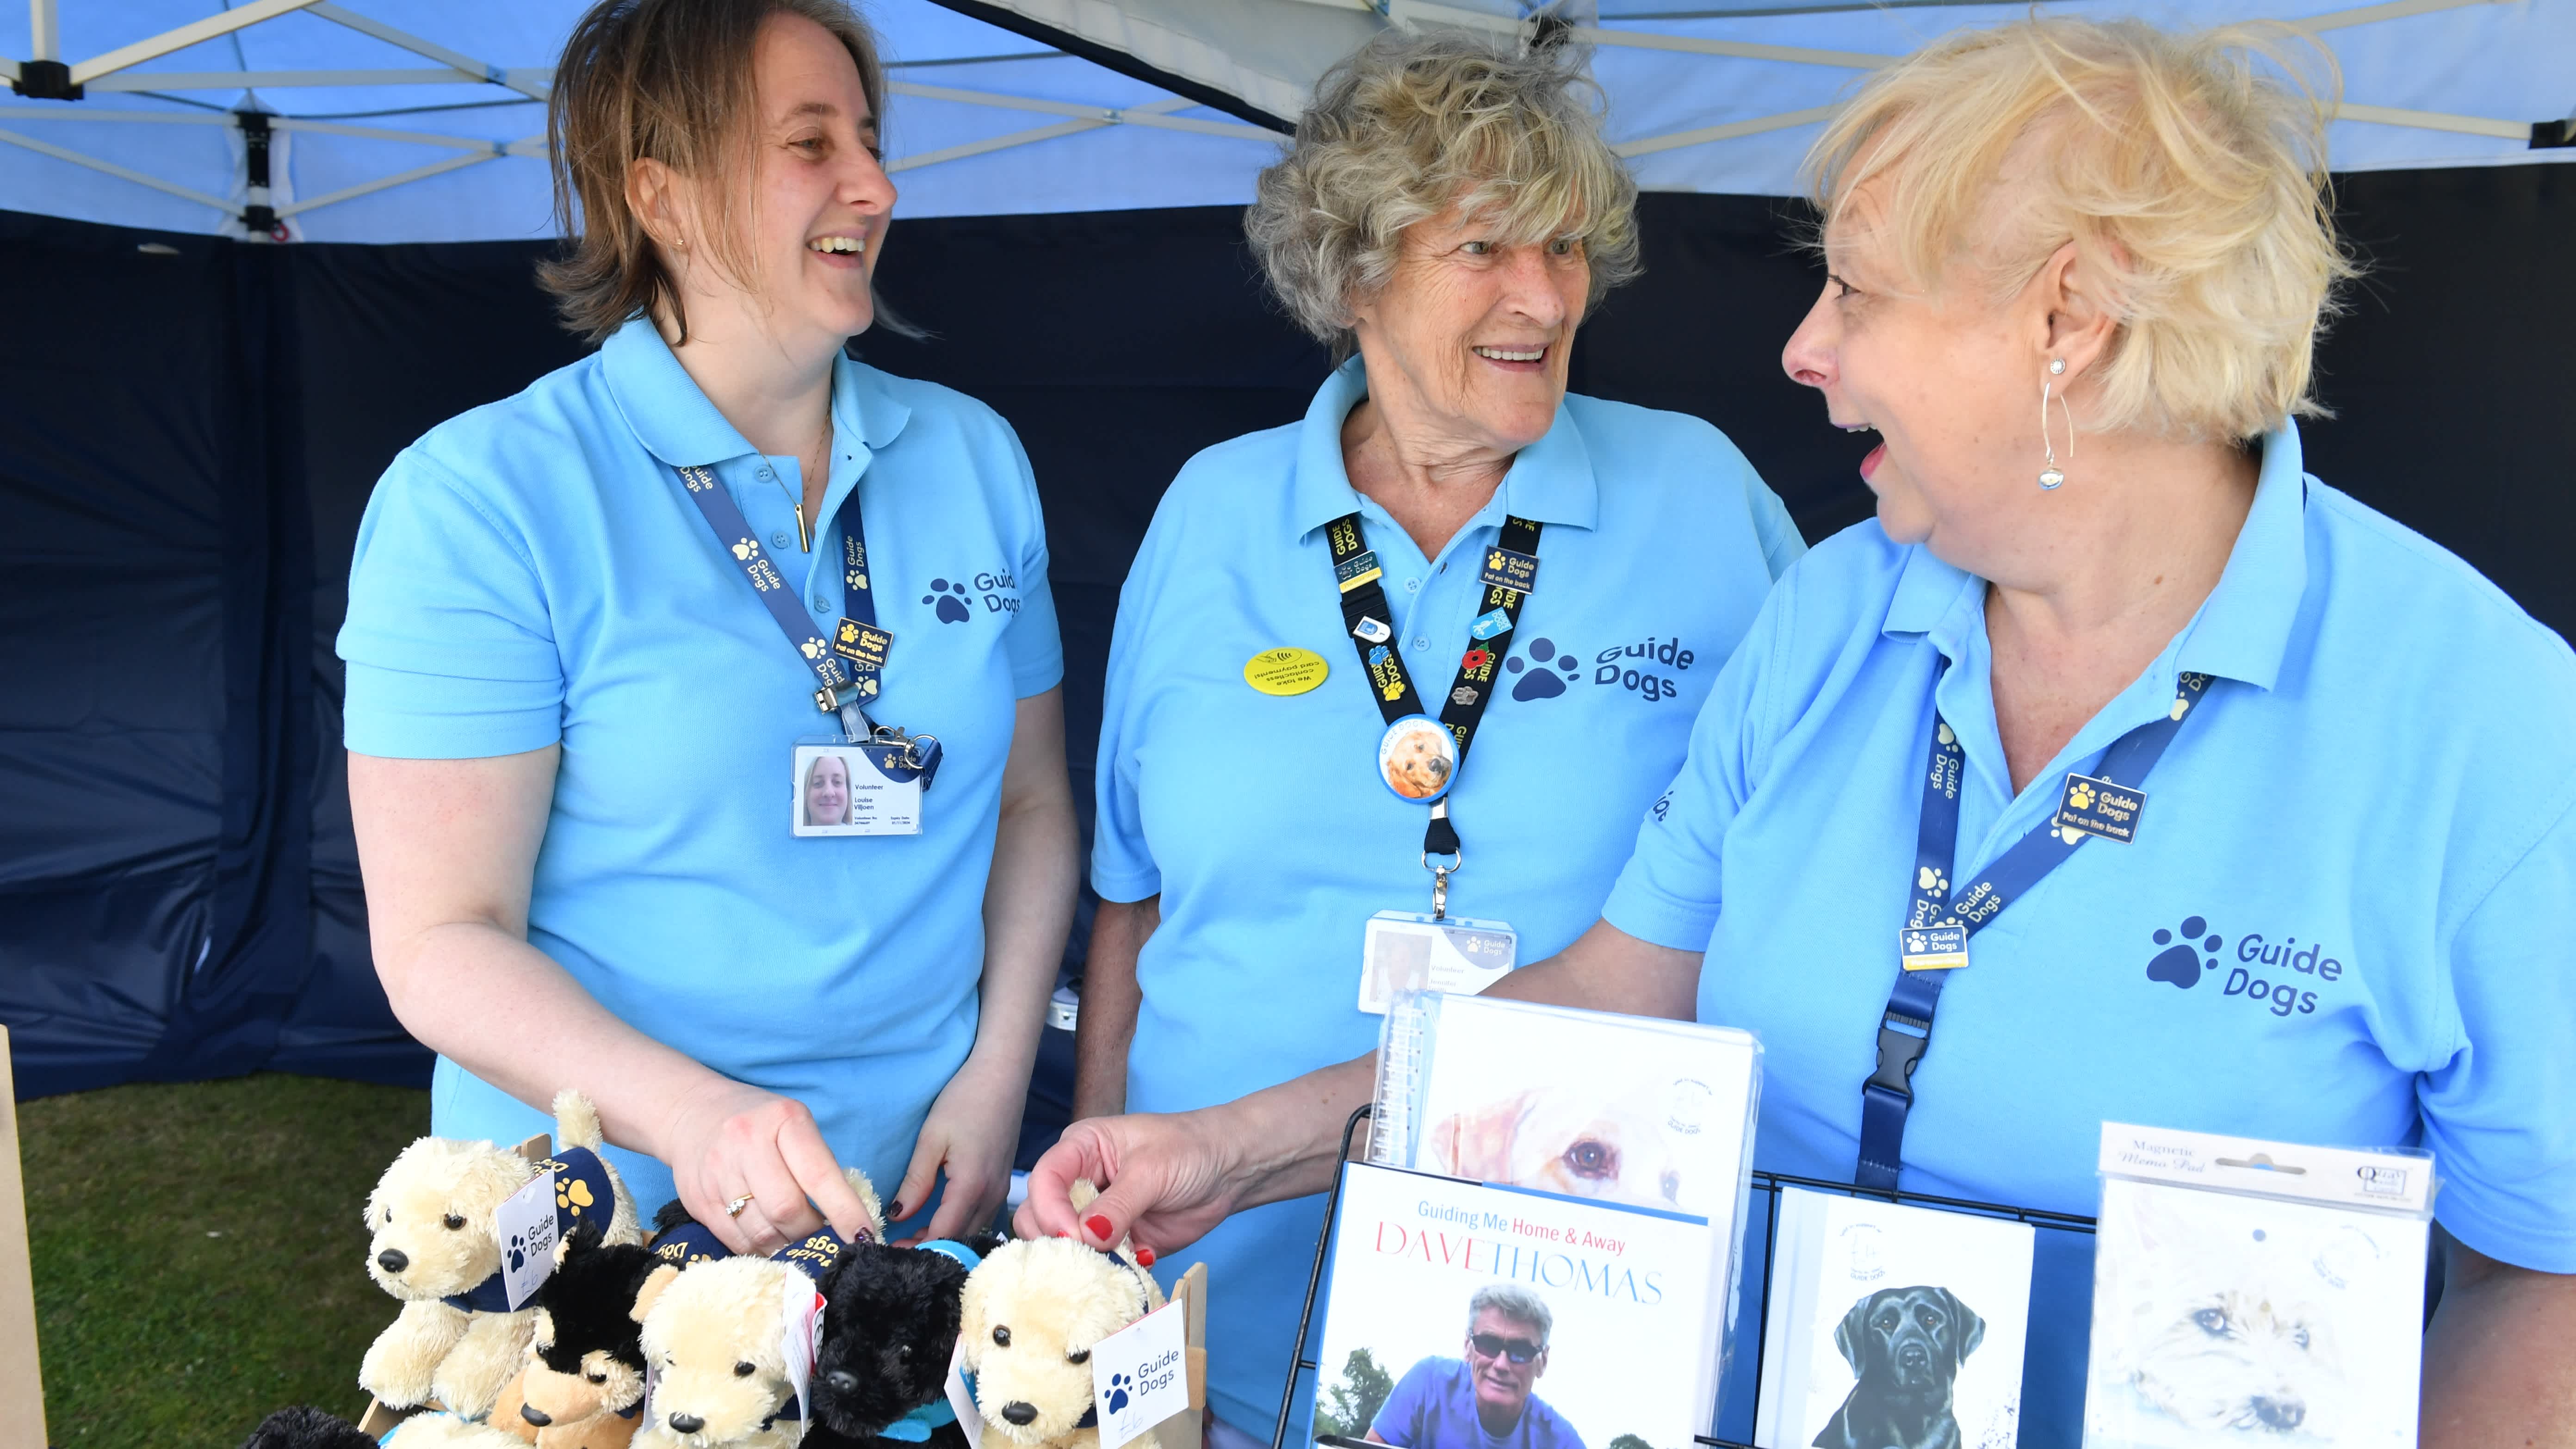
(424, 120)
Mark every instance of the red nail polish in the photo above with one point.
(1144, 1255)
(1099, 1226)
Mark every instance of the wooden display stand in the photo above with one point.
(1189, 1430)
(22, 1384)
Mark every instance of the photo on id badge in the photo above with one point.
(839, 788)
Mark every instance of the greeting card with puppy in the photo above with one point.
(1893, 1325)
(2251, 1292)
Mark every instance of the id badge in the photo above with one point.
(1406, 952)
(842, 786)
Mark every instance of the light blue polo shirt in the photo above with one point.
(2345, 919)
(1261, 820)
(531, 572)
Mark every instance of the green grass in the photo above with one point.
(198, 1257)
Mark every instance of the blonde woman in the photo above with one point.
(2340, 914)
(1446, 218)
(568, 594)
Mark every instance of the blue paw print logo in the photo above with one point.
(951, 599)
(2180, 961)
(1543, 682)
(1119, 1384)
(518, 1251)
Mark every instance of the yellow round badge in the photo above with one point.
(1285, 671)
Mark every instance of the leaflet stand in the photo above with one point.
(1763, 1182)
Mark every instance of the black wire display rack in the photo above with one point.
(1768, 1184)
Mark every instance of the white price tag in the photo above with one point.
(800, 1312)
(524, 1225)
(961, 1396)
(1140, 1375)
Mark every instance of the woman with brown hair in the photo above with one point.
(588, 626)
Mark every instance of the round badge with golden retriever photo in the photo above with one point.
(1417, 758)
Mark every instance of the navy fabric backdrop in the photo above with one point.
(189, 429)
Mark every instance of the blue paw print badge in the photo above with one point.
(1140, 1375)
(1539, 676)
(949, 601)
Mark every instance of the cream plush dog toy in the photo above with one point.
(436, 1247)
(714, 1347)
(1031, 1312)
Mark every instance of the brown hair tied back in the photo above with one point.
(670, 80)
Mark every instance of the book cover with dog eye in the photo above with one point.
(2229, 1320)
(1466, 1316)
(1626, 1109)
(1893, 1325)
(1638, 1113)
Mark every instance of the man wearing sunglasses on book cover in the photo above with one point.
(1484, 1400)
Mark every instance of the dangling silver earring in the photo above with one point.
(2050, 479)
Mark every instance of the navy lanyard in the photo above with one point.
(1510, 568)
(1939, 921)
(849, 663)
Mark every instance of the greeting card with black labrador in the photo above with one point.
(1905, 1347)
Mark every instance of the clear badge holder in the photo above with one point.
(2246, 1287)
(859, 784)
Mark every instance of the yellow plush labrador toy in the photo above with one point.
(1031, 1312)
(434, 1245)
(715, 1347)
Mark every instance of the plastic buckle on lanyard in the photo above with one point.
(1900, 1051)
(1440, 881)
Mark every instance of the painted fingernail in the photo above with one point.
(894, 1214)
(1144, 1255)
(1099, 1226)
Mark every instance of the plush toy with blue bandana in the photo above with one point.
(713, 1339)
(434, 1244)
(1031, 1312)
(890, 1321)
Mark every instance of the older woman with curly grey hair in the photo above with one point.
(1448, 553)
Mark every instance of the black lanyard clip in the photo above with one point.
(1900, 1051)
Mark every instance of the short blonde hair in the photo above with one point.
(2182, 173)
(1414, 122)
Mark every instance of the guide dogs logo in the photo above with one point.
(2181, 963)
(2191, 950)
(1542, 682)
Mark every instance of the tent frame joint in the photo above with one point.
(46, 80)
(2553, 135)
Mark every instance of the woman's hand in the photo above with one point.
(971, 1135)
(1165, 1179)
(728, 1140)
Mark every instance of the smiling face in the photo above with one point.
(818, 198)
(827, 791)
(1470, 335)
(1502, 1386)
(1949, 381)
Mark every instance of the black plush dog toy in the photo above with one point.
(1904, 1346)
(304, 1427)
(587, 1357)
(889, 1329)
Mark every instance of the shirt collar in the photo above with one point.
(677, 423)
(1550, 481)
(2243, 627)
